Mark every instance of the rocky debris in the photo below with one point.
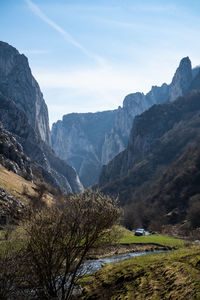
(18, 84)
(11, 209)
(12, 156)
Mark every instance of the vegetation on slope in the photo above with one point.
(162, 184)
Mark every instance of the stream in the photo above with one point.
(93, 265)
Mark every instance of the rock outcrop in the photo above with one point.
(11, 209)
(17, 83)
(71, 142)
(181, 80)
(12, 156)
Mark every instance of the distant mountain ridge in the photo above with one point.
(72, 143)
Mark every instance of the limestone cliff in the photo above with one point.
(18, 84)
(78, 139)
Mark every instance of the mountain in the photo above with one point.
(159, 171)
(139, 144)
(17, 83)
(72, 142)
(78, 139)
(26, 119)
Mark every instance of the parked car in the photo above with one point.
(139, 232)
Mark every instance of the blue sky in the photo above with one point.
(87, 55)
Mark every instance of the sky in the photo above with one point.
(87, 55)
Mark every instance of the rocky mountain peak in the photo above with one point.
(18, 84)
(134, 97)
(182, 79)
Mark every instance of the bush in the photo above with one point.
(60, 236)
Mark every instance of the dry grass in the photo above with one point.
(15, 185)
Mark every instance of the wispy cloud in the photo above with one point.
(94, 89)
(66, 35)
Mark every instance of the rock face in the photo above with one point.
(116, 140)
(70, 139)
(181, 80)
(17, 83)
(53, 169)
(78, 139)
(26, 119)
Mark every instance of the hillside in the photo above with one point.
(158, 173)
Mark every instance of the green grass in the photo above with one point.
(174, 275)
(158, 239)
(128, 237)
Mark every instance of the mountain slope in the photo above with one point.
(161, 163)
(88, 160)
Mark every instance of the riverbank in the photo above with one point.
(171, 275)
(115, 249)
(128, 242)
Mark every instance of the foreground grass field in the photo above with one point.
(174, 275)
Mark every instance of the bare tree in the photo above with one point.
(60, 236)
